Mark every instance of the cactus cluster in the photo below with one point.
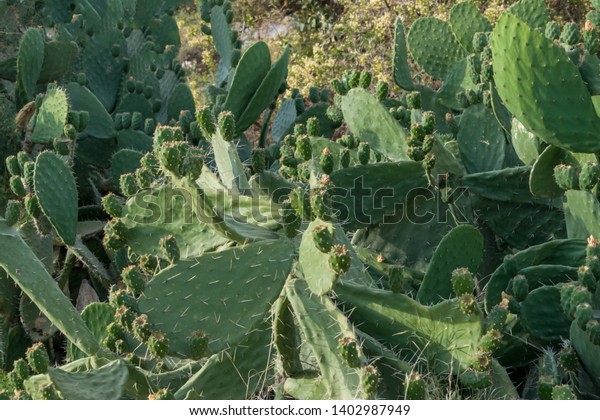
(180, 260)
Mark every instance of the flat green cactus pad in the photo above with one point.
(461, 247)
(532, 12)
(29, 64)
(56, 191)
(101, 125)
(51, 117)
(369, 121)
(543, 316)
(433, 46)
(465, 21)
(225, 294)
(96, 316)
(583, 212)
(401, 69)
(540, 85)
(445, 335)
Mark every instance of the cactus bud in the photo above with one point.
(417, 132)
(226, 125)
(381, 91)
(299, 104)
(206, 122)
(339, 259)
(112, 205)
(141, 328)
(552, 30)
(12, 164)
(120, 297)
(563, 392)
(326, 161)
(586, 278)
(467, 304)
(172, 154)
(158, 344)
(364, 153)
(364, 80)
(414, 387)
(126, 120)
(335, 114)
(163, 394)
(32, 206)
(566, 177)
(345, 157)
(19, 373)
(474, 67)
(313, 127)
(462, 281)
(593, 331)
(496, 318)
(353, 79)
(583, 314)
(13, 212)
(124, 317)
(136, 121)
(569, 34)
(304, 147)
(313, 94)
(258, 160)
(481, 361)
(428, 122)
(37, 357)
(133, 279)
(236, 54)
(349, 350)
(413, 100)
(567, 359)
(589, 176)
(480, 41)
(370, 380)
(130, 85)
(339, 87)
(17, 187)
(590, 40)
(415, 153)
(490, 341)
(323, 238)
(198, 344)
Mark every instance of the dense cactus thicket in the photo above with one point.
(438, 244)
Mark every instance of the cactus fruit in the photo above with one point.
(339, 259)
(586, 278)
(567, 359)
(365, 79)
(313, 94)
(552, 30)
(168, 245)
(570, 34)
(226, 124)
(313, 127)
(144, 178)
(480, 41)
(462, 281)
(474, 67)
(19, 373)
(335, 114)
(583, 314)
(364, 153)
(37, 358)
(345, 157)
(579, 295)
(417, 132)
(120, 297)
(32, 206)
(13, 212)
(416, 153)
(381, 91)
(141, 328)
(133, 280)
(353, 79)
(128, 185)
(326, 161)
(172, 154)
(339, 87)
(323, 238)
(467, 304)
(490, 341)
(544, 387)
(415, 387)
(320, 205)
(112, 205)
(206, 122)
(563, 392)
(158, 344)
(350, 351)
(566, 177)
(593, 331)
(591, 40)
(198, 342)
(291, 221)
(258, 160)
(473, 379)
(413, 100)
(303, 147)
(163, 394)
(481, 361)
(124, 316)
(589, 175)
(370, 379)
